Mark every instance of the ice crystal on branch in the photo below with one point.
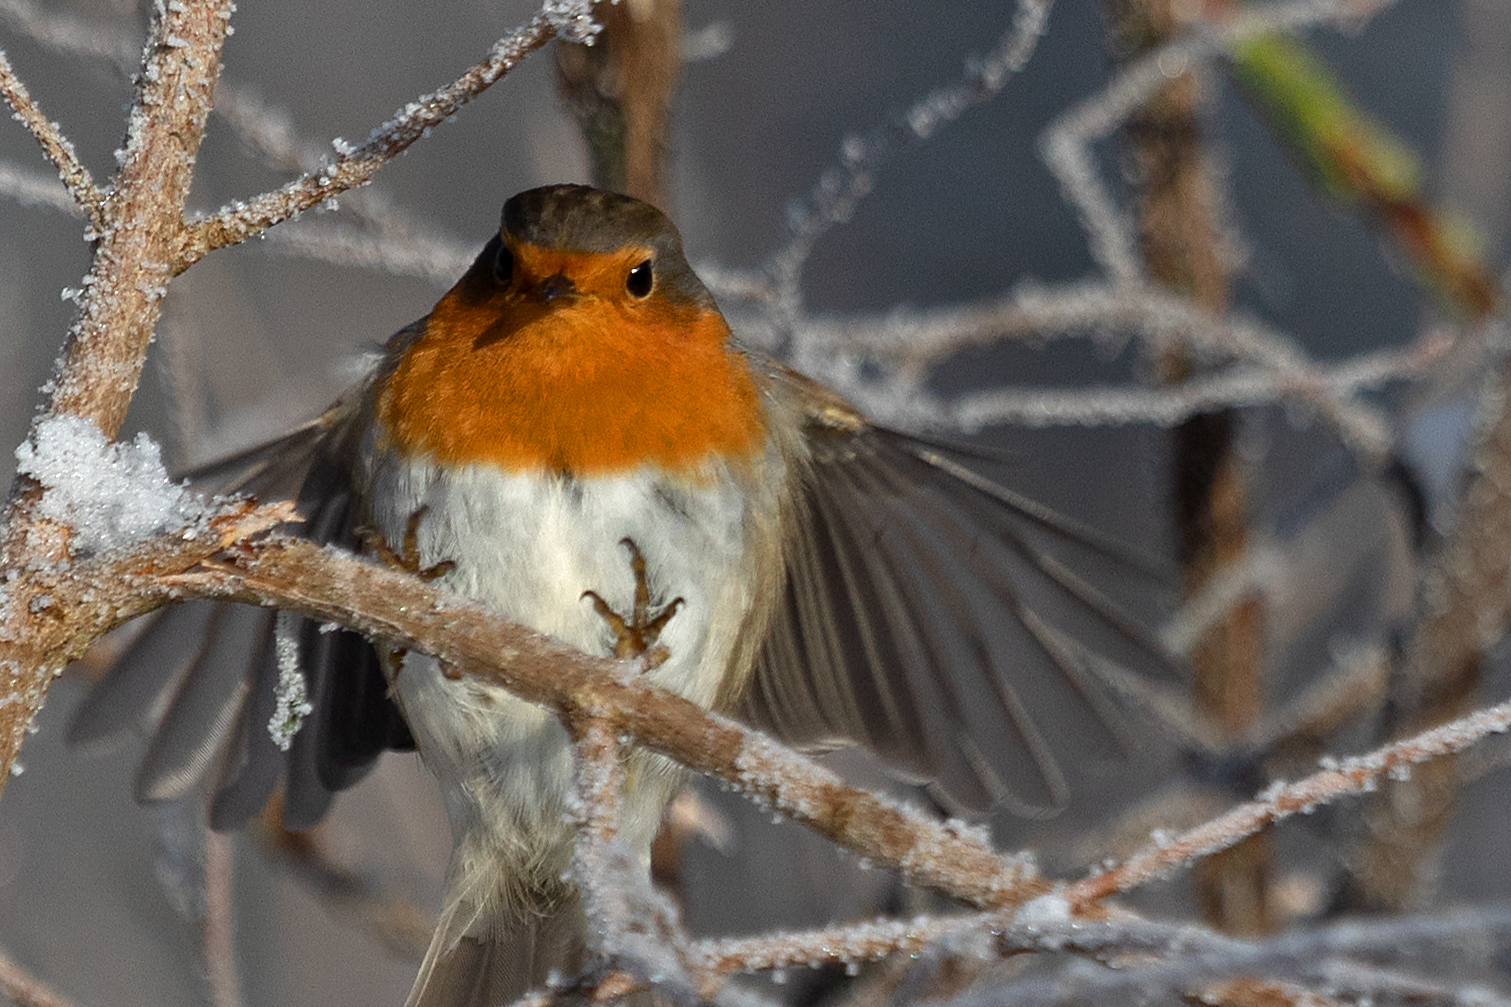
(110, 494)
(572, 20)
(291, 695)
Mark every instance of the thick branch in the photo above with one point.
(384, 604)
(102, 358)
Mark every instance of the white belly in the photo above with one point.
(529, 547)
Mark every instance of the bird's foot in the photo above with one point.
(407, 557)
(639, 635)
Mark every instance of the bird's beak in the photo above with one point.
(557, 286)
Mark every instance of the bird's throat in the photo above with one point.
(588, 388)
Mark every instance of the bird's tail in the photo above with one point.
(492, 959)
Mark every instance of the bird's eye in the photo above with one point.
(640, 280)
(503, 265)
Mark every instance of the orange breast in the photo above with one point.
(589, 388)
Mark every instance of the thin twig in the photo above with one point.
(1066, 144)
(1359, 774)
(839, 190)
(354, 167)
(55, 145)
(1169, 405)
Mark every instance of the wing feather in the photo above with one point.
(927, 615)
(199, 679)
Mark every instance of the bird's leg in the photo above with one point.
(638, 635)
(407, 559)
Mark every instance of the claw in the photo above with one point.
(408, 557)
(638, 635)
(372, 540)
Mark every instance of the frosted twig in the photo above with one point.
(1066, 144)
(1185, 954)
(1120, 406)
(55, 145)
(1358, 774)
(263, 127)
(626, 917)
(1190, 952)
(600, 792)
(31, 188)
(834, 198)
(1191, 955)
(24, 990)
(356, 166)
(913, 341)
(393, 240)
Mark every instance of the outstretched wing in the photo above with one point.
(199, 679)
(928, 617)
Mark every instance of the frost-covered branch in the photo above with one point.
(628, 920)
(1160, 961)
(55, 145)
(947, 857)
(1066, 145)
(357, 165)
(834, 197)
(118, 310)
(1338, 778)
(1247, 386)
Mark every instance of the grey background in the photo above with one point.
(968, 215)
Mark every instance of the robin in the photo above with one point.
(572, 437)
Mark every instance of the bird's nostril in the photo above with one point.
(556, 285)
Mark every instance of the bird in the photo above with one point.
(572, 437)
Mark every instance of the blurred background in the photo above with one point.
(106, 900)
